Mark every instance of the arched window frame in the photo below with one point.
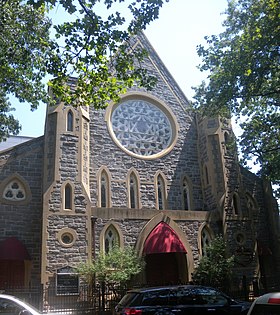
(133, 193)
(235, 203)
(111, 226)
(104, 182)
(70, 121)
(161, 193)
(251, 204)
(67, 192)
(206, 175)
(22, 185)
(205, 237)
(186, 188)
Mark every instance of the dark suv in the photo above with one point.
(179, 300)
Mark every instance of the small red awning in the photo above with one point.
(13, 249)
(163, 239)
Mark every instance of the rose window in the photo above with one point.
(141, 128)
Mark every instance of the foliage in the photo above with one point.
(215, 268)
(24, 46)
(96, 50)
(116, 266)
(244, 76)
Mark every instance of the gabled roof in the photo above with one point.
(159, 66)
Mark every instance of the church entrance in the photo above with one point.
(165, 257)
(13, 262)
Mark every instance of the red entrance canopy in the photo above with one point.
(163, 239)
(13, 249)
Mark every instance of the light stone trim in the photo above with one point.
(24, 184)
(203, 226)
(63, 231)
(103, 233)
(158, 175)
(154, 101)
(134, 172)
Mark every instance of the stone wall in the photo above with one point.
(23, 219)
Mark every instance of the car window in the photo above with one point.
(127, 298)
(9, 307)
(200, 296)
(161, 297)
(260, 309)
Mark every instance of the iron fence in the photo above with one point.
(99, 299)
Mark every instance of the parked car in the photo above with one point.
(179, 300)
(267, 304)
(11, 305)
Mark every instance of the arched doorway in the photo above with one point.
(13, 258)
(165, 257)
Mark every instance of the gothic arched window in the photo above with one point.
(206, 175)
(236, 204)
(205, 241)
(161, 195)
(133, 191)
(68, 195)
(104, 189)
(186, 195)
(70, 121)
(112, 238)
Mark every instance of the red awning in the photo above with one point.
(13, 249)
(163, 239)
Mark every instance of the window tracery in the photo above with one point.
(205, 241)
(112, 238)
(14, 191)
(141, 127)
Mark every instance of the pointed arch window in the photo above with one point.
(186, 195)
(250, 202)
(161, 195)
(14, 191)
(112, 238)
(236, 204)
(70, 120)
(104, 189)
(68, 195)
(133, 191)
(206, 175)
(205, 241)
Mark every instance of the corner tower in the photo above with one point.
(66, 200)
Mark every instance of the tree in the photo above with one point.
(244, 76)
(215, 269)
(96, 50)
(116, 266)
(24, 48)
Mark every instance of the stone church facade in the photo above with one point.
(148, 173)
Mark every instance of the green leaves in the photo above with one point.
(118, 266)
(215, 269)
(244, 76)
(24, 49)
(96, 50)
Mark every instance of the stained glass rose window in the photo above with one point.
(141, 127)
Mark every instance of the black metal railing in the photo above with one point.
(100, 299)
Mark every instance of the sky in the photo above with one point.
(181, 26)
